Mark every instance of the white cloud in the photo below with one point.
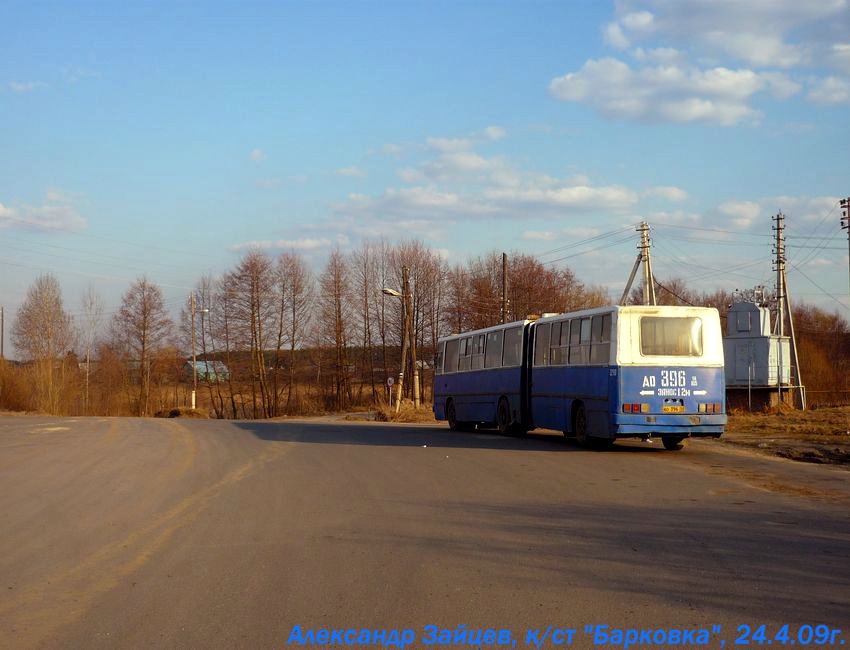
(539, 235)
(409, 175)
(455, 145)
(257, 155)
(809, 209)
(454, 164)
(22, 87)
(351, 172)
(638, 21)
(493, 133)
(780, 85)
(802, 214)
(449, 145)
(676, 218)
(392, 149)
(303, 244)
(58, 213)
(77, 74)
(726, 38)
(740, 214)
(840, 57)
(667, 192)
(663, 93)
(831, 90)
(669, 92)
(659, 55)
(580, 198)
(615, 37)
(775, 33)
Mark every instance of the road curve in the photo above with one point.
(128, 533)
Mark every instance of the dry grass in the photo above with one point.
(818, 435)
(820, 423)
(407, 413)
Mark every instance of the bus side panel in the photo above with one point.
(673, 397)
(555, 388)
(476, 394)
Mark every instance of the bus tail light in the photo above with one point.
(711, 408)
(635, 408)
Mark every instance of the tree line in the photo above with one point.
(294, 341)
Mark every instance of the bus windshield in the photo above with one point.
(670, 337)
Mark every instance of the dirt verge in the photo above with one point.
(815, 436)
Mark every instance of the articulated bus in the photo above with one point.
(599, 374)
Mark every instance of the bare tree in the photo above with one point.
(365, 271)
(335, 323)
(252, 284)
(42, 333)
(224, 338)
(92, 315)
(295, 290)
(142, 326)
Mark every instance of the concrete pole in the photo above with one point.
(194, 364)
(411, 334)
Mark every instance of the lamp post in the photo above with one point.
(194, 359)
(407, 336)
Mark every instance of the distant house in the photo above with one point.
(208, 371)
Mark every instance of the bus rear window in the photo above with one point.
(670, 337)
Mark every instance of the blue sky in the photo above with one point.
(166, 138)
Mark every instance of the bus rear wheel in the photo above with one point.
(673, 443)
(580, 426)
(451, 416)
(583, 437)
(503, 418)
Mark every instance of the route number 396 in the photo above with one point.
(673, 378)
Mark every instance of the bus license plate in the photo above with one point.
(674, 409)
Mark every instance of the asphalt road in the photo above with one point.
(128, 533)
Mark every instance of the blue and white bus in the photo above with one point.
(599, 374)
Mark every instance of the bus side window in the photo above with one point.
(477, 361)
(575, 342)
(585, 340)
(493, 351)
(464, 360)
(600, 351)
(580, 341)
(451, 360)
(438, 358)
(560, 332)
(513, 347)
(541, 344)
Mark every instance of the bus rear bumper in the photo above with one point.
(665, 425)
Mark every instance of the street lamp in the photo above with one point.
(194, 359)
(408, 335)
